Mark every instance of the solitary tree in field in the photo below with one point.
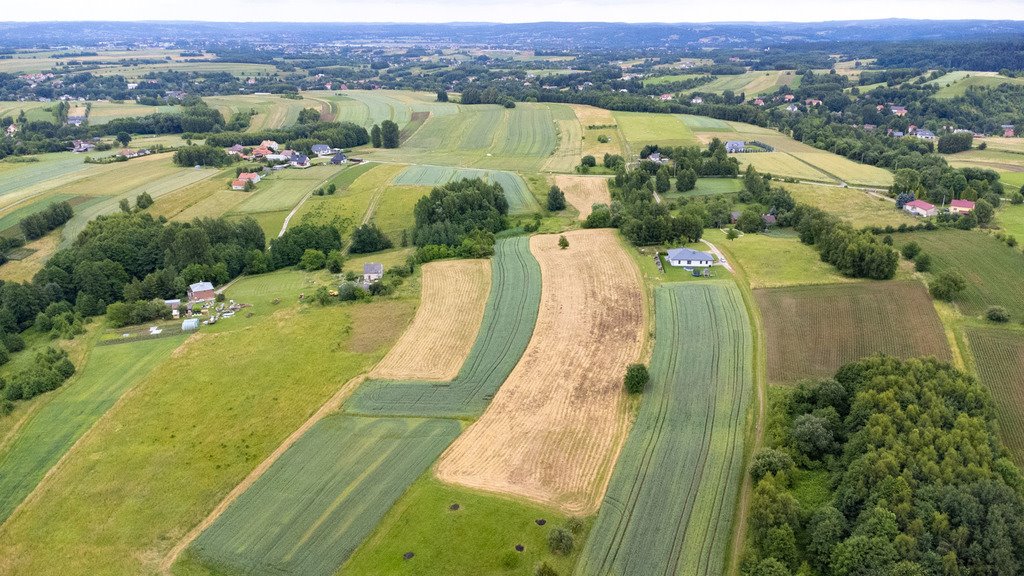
(375, 138)
(124, 138)
(125, 205)
(442, 95)
(636, 378)
(563, 242)
(556, 199)
(947, 286)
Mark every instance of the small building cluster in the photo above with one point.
(924, 209)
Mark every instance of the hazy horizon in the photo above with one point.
(524, 11)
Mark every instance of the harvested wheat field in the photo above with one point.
(437, 342)
(555, 427)
(584, 191)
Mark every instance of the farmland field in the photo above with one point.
(136, 72)
(171, 450)
(355, 199)
(811, 331)
(567, 154)
(284, 189)
(308, 513)
(641, 129)
(751, 83)
(706, 124)
(999, 356)
(670, 504)
(770, 260)
(958, 82)
(271, 111)
(25, 269)
(516, 191)
(582, 192)
(845, 169)
(556, 444)
(440, 337)
(993, 270)
(855, 206)
(1011, 219)
(504, 334)
(590, 116)
(782, 164)
(109, 371)
(103, 112)
(712, 187)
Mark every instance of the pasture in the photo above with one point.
(582, 192)
(992, 269)
(442, 333)
(751, 83)
(670, 504)
(855, 206)
(999, 360)
(480, 537)
(308, 513)
(207, 198)
(282, 190)
(108, 372)
(101, 112)
(505, 331)
(520, 200)
(956, 84)
(776, 260)
(640, 129)
(783, 164)
(359, 192)
(1011, 219)
(556, 444)
(170, 451)
(25, 269)
(567, 153)
(811, 331)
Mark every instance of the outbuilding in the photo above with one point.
(920, 208)
(961, 206)
(190, 324)
(201, 292)
(688, 258)
(734, 146)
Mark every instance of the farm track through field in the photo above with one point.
(672, 497)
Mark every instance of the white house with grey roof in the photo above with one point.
(734, 146)
(687, 258)
(372, 272)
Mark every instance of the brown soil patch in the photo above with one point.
(441, 335)
(584, 191)
(555, 427)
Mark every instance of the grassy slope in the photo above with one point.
(999, 355)
(856, 207)
(170, 452)
(777, 260)
(109, 372)
(670, 504)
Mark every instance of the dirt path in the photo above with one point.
(721, 257)
(288, 218)
(332, 405)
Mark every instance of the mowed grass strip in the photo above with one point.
(556, 444)
(324, 496)
(811, 331)
(994, 271)
(507, 325)
(189, 433)
(441, 335)
(670, 505)
(999, 361)
(109, 371)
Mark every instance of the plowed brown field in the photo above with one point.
(555, 427)
(437, 342)
(584, 191)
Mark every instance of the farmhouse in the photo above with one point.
(688, 258)
(339, 158)
(920, 208)
(961, 206)
(272, 145)
(236, 150)
(792, 108)
(696, 100)
(300, 161)
(734, 146)
(657, 158)
(82, 146)
(1008, 133)
(665, 97)
(898, 110)
(321, 149)
(812, 102)
(925, 134)
(238, 184)
(76, 120)
(250, 176)
(372, 271)
(261, 152)
(12, 129)
(788, 97)
(201, 292)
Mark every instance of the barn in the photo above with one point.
(688, 258)
(201, 292)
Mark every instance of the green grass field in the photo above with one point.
(191, 431)
(994, 271)
(309, 512)
(109, 372)
(504, 333)
(659, 80)
(641, 129)
(478, 538)
(520, 200)
(751, 83)
(1011, 219)
(770, 261)
(999, 359)
(102, 112)
(706, 124)
(858, 208)
(9, 221)
(360, 190)
(811, 331)
(271, 111)
(845, 169)
(394, 213)
(956, 84)
(283, 190)
(715, 186)
(672, 496)
(783, 164)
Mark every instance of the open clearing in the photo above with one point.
(670, 505)
(308, 513)
(555, 426)
(446, 324)
(76, 406)
(956, 84)
(584, 191)
(505, 331)
(857, 207)
(999, 358)
(994, 271)
(271, 111)
(359, 190)
(811, 331)
(283, 190)
(174, 446)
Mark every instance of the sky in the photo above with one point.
(514, 10)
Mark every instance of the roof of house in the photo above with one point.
(338, 158)
(300, 159)
(248, 176)
(769, 218)
(688, 254)
(373, 268)
(962, 204)
(236, 148)
(239, 183)
(320, 148)
(200, 287)
(920, 204)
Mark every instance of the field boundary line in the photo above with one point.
(332, 405)
(836, 179)
(288, 218)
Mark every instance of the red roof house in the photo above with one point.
(920, 208)
(238, 184)
(250, 176)
(961, 206)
